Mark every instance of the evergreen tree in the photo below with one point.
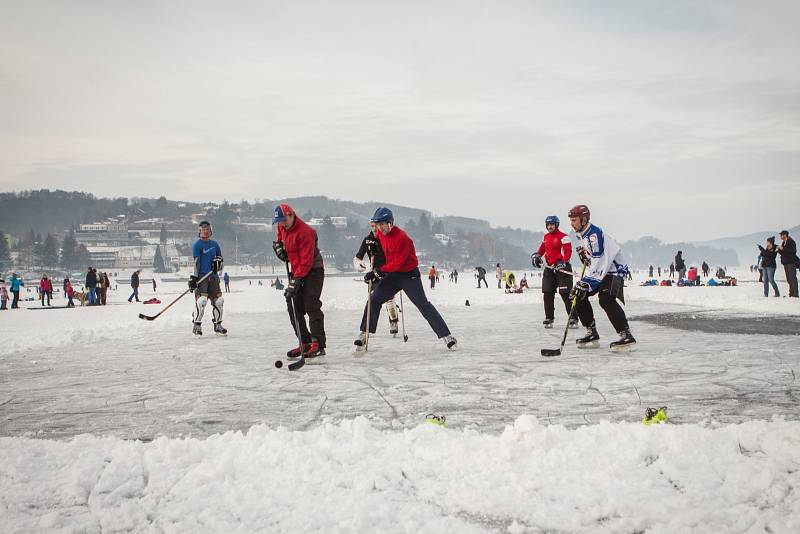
(162, 236)
(438, 227)
(5, 252)
(82, 257)
(158, 262)
(69, 250)
(49, 251)
(424, 225)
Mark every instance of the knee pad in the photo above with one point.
(216, 309)
(200, 308)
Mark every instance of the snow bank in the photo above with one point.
(351, 477)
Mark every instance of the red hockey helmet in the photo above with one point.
(581, 210)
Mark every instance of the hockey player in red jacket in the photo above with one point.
(554, 254)
(400, 272)
(297, 244)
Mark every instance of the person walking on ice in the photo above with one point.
(604, 276)
(207, 256)
(399, 273)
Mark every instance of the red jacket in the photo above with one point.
(300, 242)
(555, 247)
(45, 284)
(401, 257)
(69, 290)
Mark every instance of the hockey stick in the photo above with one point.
(403, 317)
(571, 273)
(294, 366)
(154, 317)
(369, 306)
(557, 352)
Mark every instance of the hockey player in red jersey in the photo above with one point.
(554, 254)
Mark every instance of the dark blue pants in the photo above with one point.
(411, 283)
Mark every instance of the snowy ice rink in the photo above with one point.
(149, 429)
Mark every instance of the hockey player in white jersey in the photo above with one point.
(604, 277)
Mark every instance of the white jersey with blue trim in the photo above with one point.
(606, 256)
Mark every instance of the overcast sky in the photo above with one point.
(668, 118)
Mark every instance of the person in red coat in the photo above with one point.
(70, 292)
(297, 245)
(400, 272)
(554, 254)
(45, 290)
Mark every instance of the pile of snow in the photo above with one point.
(351, 477)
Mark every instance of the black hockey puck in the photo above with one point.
(278, 363)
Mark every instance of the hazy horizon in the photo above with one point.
(679, 120)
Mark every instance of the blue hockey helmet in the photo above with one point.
(382, 215)
(552, 219)
(281, 212)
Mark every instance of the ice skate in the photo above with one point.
(314, 354)
(220, 330)
(295, 353)
(393, 327)
(547, 323)
(590, 340)
(197, 329)
(573, 323)
(450, 341)
(626, 342)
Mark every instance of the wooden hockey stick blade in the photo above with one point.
(147, 317)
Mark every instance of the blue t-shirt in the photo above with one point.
(203, 252)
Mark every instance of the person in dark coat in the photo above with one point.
(134, 286)
(789, 260)
(768, 266)
(91, 286)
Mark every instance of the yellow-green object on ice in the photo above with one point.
(436, 419)
(655, 416)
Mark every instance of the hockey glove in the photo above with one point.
(372, 276)
(585, 256)
(581, 290)
(193, 282)
(216, 264)
(537, 261)
(359, 265)
(277, 246)
(293, 288)
(560, 266)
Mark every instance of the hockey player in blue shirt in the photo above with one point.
(604, 276)
(207, 259)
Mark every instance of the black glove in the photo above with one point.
(581, 290)
(216, 264)
(560, 266)
(193, 282)
(372, 276)
(293, 288)
(537, 261)
(585, 256)
(277, 246)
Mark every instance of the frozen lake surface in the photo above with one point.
(717, 357)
